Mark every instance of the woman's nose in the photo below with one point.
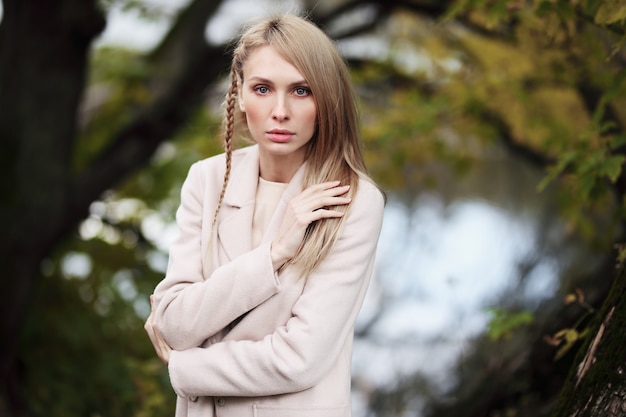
(280, 111)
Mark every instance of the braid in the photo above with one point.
(229, 127)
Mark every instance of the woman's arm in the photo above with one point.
(188, 308)
(299, 354)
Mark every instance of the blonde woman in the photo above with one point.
(255, 316)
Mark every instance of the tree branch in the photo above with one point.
(133, 145)
(184, 41)
(184, 66)
(382, 9)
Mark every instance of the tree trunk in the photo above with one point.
(44, 54)
(596, 385)
(44, 47)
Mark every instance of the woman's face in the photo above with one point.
(280, 109)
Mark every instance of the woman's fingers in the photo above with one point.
(325, 189)
(160, 346)
(315, 198)
(307, 207)
(312, 203)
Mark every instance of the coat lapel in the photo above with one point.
(235, 224)
(235, 220)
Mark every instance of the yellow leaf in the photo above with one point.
(570, 298)
(571, 335)
(610, 12)
(561, 333)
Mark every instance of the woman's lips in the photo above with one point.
(280, 136)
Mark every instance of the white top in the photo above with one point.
(268, 195)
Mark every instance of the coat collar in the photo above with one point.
(244, 177)
(235, 228)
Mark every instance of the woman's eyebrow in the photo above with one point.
(270, 82)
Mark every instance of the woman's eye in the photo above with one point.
(262, 89)
(302, 91)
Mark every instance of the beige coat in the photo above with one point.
(249, 342)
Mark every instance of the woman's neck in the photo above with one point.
(279, 168)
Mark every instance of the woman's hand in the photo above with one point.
(161, 347)
(305, 208)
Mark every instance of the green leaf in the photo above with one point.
(612, 167)
(617, 141)
(554, 171)
(587, 185)
(504, 322)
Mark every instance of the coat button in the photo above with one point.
(193, 399)
(220, 401)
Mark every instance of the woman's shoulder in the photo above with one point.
(369, 190)
(369, 197)
(216, 164)
(220, 159)
(209, 172)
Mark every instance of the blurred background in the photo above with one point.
(496, 128)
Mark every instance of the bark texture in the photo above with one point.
(44, 48)
(596, 385)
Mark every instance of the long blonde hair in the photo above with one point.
(334, 152)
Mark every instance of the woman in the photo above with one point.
(277, 240)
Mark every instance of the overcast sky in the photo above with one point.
(129, 29)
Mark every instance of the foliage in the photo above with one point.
(84, 349)
(566, 338)
(504, 322)
(546, 78)
(541, 76)
(85, 336)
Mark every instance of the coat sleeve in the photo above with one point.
(299, 354)
(189, 308)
